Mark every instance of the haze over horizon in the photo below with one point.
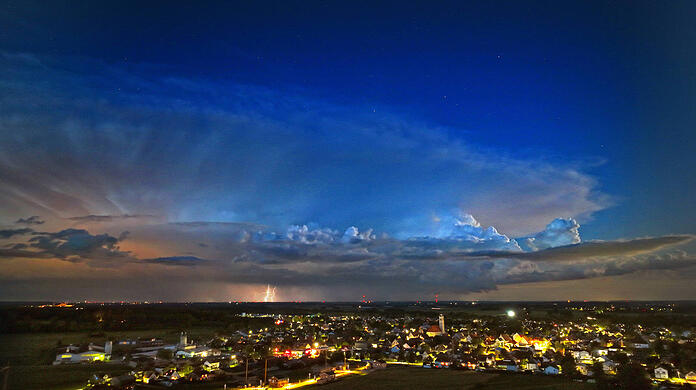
(497, 151)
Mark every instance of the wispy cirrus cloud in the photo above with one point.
(188, 149)
(219, 179)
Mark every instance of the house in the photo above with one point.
(580, 355)
(504, 341)
(433, 331)
(149, 376)
(551, 370)
(609, 367)
(661, 373)
(691, 376)
(582, 369)
(508, 365)
(208, 366)
(520, 340)
(530, 365)
(174, 376)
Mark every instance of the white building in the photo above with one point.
(73, 355)
(661, 373)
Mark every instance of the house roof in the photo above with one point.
(434, 329)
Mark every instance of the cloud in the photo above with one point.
(464, 233)
(177, 260)
(352, 235)
(8, 233)
(465, 258)
(33, 220)
(559, 232)
(241, 169)
(109, 218)
(74, 244)
(593, 249)
(389, 171)
(19, 253)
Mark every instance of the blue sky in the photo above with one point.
(401, 120)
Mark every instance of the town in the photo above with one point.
(318, 345)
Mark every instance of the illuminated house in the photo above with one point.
(504, 341)
(661, 373)
(520, 340)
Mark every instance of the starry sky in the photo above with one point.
(171, 150)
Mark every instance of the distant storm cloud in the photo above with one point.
(599, 249)
(33, 220)
(9, 233)
(464, 257)
(177, 260)
(74, 244)
(109, 218)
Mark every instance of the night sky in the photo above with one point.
(202, 151)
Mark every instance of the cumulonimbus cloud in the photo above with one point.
(465, 258)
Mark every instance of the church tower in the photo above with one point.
(441, 323)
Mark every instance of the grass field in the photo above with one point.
(67, 377)
(420, 378)
(30, 356)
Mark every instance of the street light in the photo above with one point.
(511, 313)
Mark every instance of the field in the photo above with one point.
(30, 356)
(68, 377)
(420, 378)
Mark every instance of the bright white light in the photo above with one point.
(510, 313)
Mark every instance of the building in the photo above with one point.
(73, 355)
(437, 330)
(661, 373)
(183, 339)
(188, 353)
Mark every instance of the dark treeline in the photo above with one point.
(23, 318)
(116, 317)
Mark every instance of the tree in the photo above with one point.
(165, 354)
(632, 376)
(568, 365)
(599, 376)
